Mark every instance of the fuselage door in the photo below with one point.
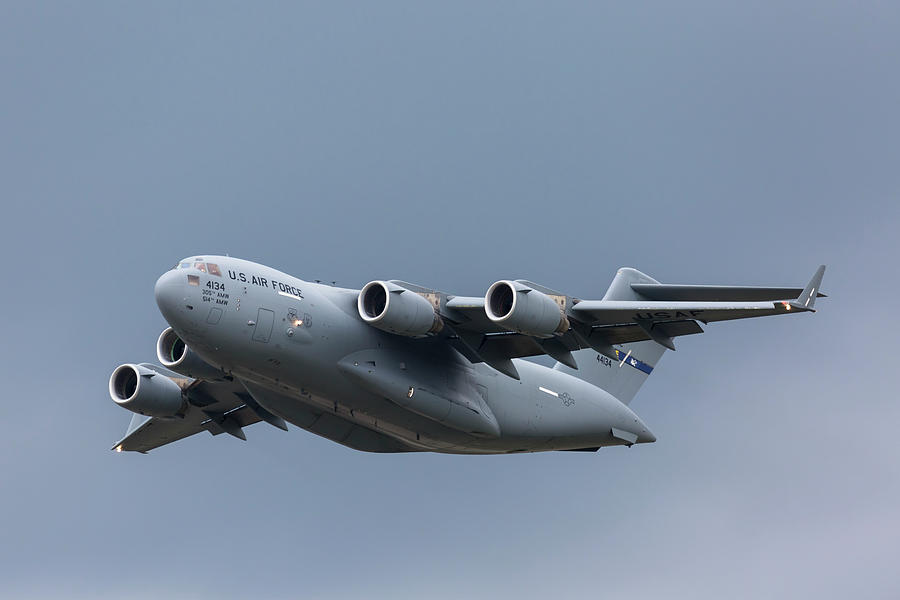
(265, 318)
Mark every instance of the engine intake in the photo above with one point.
(517, 307)
(395, 309)
(174, 354)
(145, 391)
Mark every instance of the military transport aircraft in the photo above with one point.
(396, 367)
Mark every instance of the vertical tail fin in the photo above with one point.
(622, 379)
(636, 360)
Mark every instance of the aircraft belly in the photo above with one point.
(548, 424)
(313, 415)
(442, 396)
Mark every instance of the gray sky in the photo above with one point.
(452, 145)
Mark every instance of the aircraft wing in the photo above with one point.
(653, 311)
(227, 407)
(216, 407)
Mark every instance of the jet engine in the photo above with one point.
(145, 391)
(517, 307)
(395, 309)
(174, 354)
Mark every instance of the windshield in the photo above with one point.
(205, 267)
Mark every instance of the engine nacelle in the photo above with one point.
(174, 354)
(145, 391)
(517, 307)
(395, 309)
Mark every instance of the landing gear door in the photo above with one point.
(265, 318)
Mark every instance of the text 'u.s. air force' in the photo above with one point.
(261, 281)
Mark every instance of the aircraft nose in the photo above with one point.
(169, 292)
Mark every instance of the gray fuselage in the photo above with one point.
(301, 348)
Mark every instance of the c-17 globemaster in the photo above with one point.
(396, 367)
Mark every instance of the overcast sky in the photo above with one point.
(454, 144)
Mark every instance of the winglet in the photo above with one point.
(807, 299)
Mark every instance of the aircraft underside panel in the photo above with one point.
(312, 418)
(337, 429)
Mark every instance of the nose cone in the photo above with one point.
(170, 294)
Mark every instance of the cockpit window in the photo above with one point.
(204, 267)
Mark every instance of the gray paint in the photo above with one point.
(376, 370)
(418, 391)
